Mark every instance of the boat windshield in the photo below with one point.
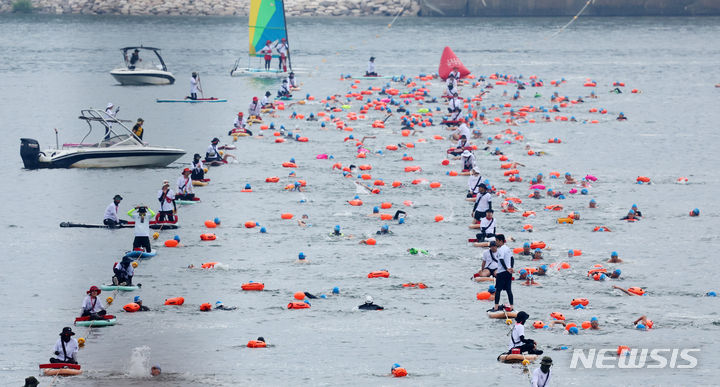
(143, 58)
(113, 130)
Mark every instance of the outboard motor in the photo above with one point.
(30, 153)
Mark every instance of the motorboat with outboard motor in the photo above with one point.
(142, 69)
(118, 147)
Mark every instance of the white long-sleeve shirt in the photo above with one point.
(267, 50)
(371, 67)
(284, 88)
(292, 82)
(455, 74)
(71, 349)
(212, 152)
(239, 122)
(265, 101)
(197, 166)
(456, 103)
(462, 130)
(518, 330)
(473, 183)
(468, 162)
(129, 271)
(254, 109)
(167, 203)
(193, 85)
(94, 305)
(111, 212)
(184, 185)
(540, 379)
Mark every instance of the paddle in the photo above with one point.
(200, 86)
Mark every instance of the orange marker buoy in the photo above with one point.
(250, 224)
(484, 295)
(557, 316)
(131, 307)
(379, 274)
(439, 218)
(286, 215)
(579, 301)
(205, 307)
(208, 237)
(256, 344)
(210, 224)
(370, 241)
(585, 325)
(399, 372)
(564, 265)
(435, 184)
(299, 296)
(396, 184)
(385, 205)
(171, 243)
(386, 216)
(273, 179)
(257, 286)
(355, 202)
(298, 305)
(445, 162)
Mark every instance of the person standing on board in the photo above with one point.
(66, 348)
(267, 50)
(166, 197)
(503, 275)
(194, 86)
(371, 68)
(111, 213)
(282, 48)
(142, 227)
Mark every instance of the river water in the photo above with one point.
(54, 66)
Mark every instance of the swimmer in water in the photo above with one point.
(539, 178)
(695, 212)
(593, 203)
(384, 229)
(369, 304)
(526, 249)
(569, 179)
(638, 214)
(628, 292)
(615, 274)
(536, 194)
(594, 323)
(630, 216)
(621, 117)
(219, 306)
(643, 323)
(614, 258)
(336, 231)
(542, 270)
(303, 221)
(155, 370)
(537, 255)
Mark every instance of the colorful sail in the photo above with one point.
(448, 61)
(266, 22)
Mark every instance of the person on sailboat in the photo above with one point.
(371, 68)
(265, 102)
(284, 90)
(134, 59)
(194, 86)
(185, 187)
(282, 48)
(198, 169)
(254, 109)
(267, 50)
(292, 81)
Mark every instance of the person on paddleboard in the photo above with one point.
(66, 348)
(198, 169)
(166, 197)
(124, 272)
(371, 68)
(266, 102)
(282, 49)
(267, 51)
(455, 107)
(292, 81)
(142, 227)
(184, 184)
(92, 306)
(213, 154)
(239, 125)
(517, 337)
(111, 213)
(138, 128)
(455, 73)
(284, 90)
(255, 108)
(194, 86)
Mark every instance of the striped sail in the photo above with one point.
(266, 22)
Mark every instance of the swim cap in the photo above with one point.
(573, 331)
(357, 197)
(592, 201)
(218, 303)
(570, 252)
(614, 254)
(177, 238)
(617, 272)
(292, 159)
(301, 256)
(491, 289)
(368, 299)
(696, 211)
(247, 186)
(336, 290)
(401, 221)
(384, 227)
(396, 365)
(593, 319)
(634, 206)
(711, 294)
(567, 173)
(376, 209)
(263, 230)
(642, 327)
(337, 227)
(544, 267)
(584, 191)
(526, 244)
(523, 271)
(137, 299)
(538, 250)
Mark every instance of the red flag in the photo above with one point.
(448, 61)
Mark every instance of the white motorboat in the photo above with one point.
(143, 68)
(114, 149)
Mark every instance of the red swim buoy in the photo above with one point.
(175, 301)
(253, 286)
(379, 274)
(298, 305)
(131, 307)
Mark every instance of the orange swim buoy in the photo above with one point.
(257, 286)
(586, 325)
(175, 301)
(379, 274)
(392, 147)
(579, 301)
(210, 224)
(286, 215)
(439, 218)
(564, 265)
(365, 176)
(385, 205)
(396, 184)
(622, 348)
(298, 305)
(273, 179)
(570, 325)
(557, 316)
(250, 224)
(528, 213)
(171, 243)
(370, 241)
(208, 265)
(517, 250)
(601, 228)
(637, 291)
(355, 202)
(131, 307)
(554, 207)
(643, 179)
(484, 295)
(399, 372)
(303, 139)
(208, 237)
(412, 168)
(365, 167)
(386, 216)
(288, 164)
(299, 296)
(435, 184)
(537, 245)
(256, 344)
(205, 307)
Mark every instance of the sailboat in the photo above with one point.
(265, 22)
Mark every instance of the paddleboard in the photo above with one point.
(107, 320)
(140, 254)
(516, 358)
(187, 201)
(118, 287)
(82, 225)
(60, 365)
(378, 77)
(188, 100)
